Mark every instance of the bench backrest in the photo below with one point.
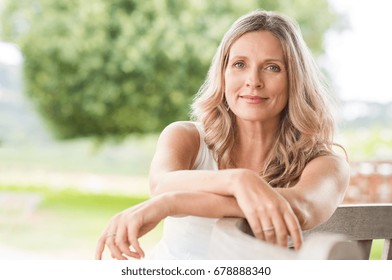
(233, 239)
(362, 223)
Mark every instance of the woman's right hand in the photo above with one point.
(268, 213)
(124, 229)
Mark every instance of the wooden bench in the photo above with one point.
(348, 234)
(362, 223)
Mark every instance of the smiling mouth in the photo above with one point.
(254, 99)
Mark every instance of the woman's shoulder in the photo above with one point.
(183, 128)
(332, 162)
(182, 133)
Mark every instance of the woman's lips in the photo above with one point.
(252, 99)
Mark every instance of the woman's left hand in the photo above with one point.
(124, 229)
(268, 213)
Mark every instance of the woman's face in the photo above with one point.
(256, 86)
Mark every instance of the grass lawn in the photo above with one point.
(66, 224)
(376, 252)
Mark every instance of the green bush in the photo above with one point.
(109, 68)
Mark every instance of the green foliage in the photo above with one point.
(375, 143)
(109, 68)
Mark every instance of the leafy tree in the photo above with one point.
(109, 68)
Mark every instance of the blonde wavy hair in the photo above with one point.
(306, 124)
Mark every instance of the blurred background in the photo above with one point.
(86, 86)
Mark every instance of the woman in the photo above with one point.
(261, 148)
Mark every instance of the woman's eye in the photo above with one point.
(273, 68)
(239, 64)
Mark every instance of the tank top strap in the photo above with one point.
(205, 159)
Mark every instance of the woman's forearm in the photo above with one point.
(219, 182)
(201, 204)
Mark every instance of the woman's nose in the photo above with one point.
(254, 79)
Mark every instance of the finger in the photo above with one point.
(256, 227)
(100, 247)
(133, 240)
(281, 233)
(121, 241)
(268, 230)
(101, 244)
(135, 244)
(115, 252)
(294, 229)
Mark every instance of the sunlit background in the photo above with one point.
(71, 157)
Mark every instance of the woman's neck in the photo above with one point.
(253, 143)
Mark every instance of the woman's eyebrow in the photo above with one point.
(274, 60)
(243, 57)
(238, 57)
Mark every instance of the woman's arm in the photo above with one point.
(184, 203)
(314, 198)
(263, 207)
(175, 155)
(319, 191)
(232, 192)
(125, 228)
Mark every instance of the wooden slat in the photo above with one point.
(230, 240)
(387, 250)
(360, 222)
(365, 246)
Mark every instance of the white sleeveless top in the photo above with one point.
(188, 238)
